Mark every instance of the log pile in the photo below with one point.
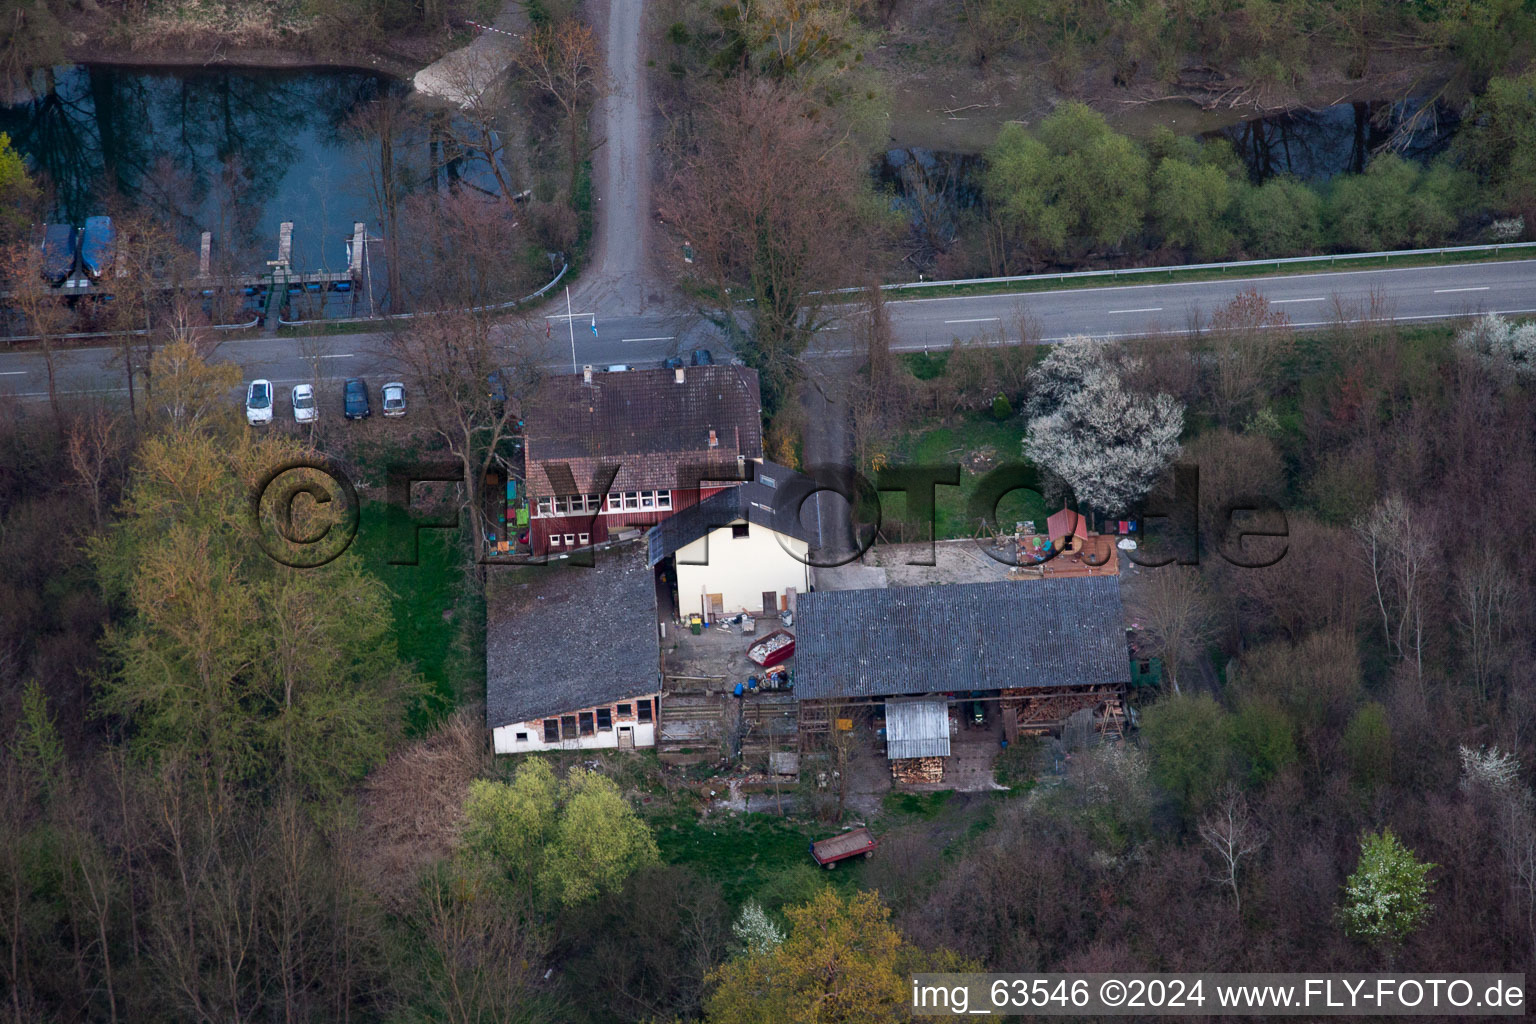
(917, 769)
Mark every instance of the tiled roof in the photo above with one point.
(642, 421)
(772, 500)
(563, 637)
(960, 637)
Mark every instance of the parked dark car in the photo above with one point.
(498, 390)
(355, 399)
(702, 357)
(672, 363)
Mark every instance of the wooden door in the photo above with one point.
(626, 737)
(770, 604)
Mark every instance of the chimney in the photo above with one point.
(677, 374)
(586, 374)
(714, 442)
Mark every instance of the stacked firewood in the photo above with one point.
(917, 769)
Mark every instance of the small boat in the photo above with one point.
(97, 247)
(775, 647)
(59, 242)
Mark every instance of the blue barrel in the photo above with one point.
(740, 689)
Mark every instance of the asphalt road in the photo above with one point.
(1410, 294)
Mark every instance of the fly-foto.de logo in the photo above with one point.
(306, 513)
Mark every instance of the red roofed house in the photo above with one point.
(605, 452)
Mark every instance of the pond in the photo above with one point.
(1315, 145)
(231, 151)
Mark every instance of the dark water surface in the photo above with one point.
(234, 152)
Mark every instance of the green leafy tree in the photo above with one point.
(1368, 744)
(512, 823)
(599, 842)
(563, 841)
(1189, 206)
(1499, 141)
(1387, 897)
(1074, 178)
(17, 192)
(842, 963)
(1187, 740)
(1282, 217)
(1263, 740)
(1394, 204)
(224, 658)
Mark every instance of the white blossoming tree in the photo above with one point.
(1108, 442)
(1493, 769)
(1388, 895)
(755, 930)
(1500, 343)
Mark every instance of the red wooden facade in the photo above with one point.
(588, 528)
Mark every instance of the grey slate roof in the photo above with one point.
(960, 637)
(771, 500)
(916, 728)
(563, 637)
(642, 421)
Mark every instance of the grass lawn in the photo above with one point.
(979, 443)
(752, 855)
(439, 620)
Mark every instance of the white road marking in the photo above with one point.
(1148, 309)
(13, 373)
(1281, 302)
(1445, 291)
(645, 339)
(977, 320)
(339, 355)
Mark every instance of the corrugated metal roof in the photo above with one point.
(959, 637)
(916, 728)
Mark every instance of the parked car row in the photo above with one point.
(355, 401)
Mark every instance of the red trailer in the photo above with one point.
(827, 852)
(775, 647)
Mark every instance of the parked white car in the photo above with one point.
(394, 399)
(304, 408)
(258, 403)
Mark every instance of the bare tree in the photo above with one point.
(94, 443)
(1248, 338)
(1232, 834)
(471, 387)
(1485, 593)
(1395, 544)
(41, 308)
(389, 127)
(1173, 609)
(565, 62)
(482, 947)
(771, 199)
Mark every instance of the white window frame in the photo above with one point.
(570, 540)
(615, 501)
(631, 500)
(664, 499)
(554, 540)
(546, 506)
(584, 538)
(647, 500)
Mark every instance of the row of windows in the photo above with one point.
(618, 501)
(571, 540)
(588, 723)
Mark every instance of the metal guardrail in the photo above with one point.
(1236, 265)
(80, 336)
(511, 304)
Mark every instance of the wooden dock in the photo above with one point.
(279, 274)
